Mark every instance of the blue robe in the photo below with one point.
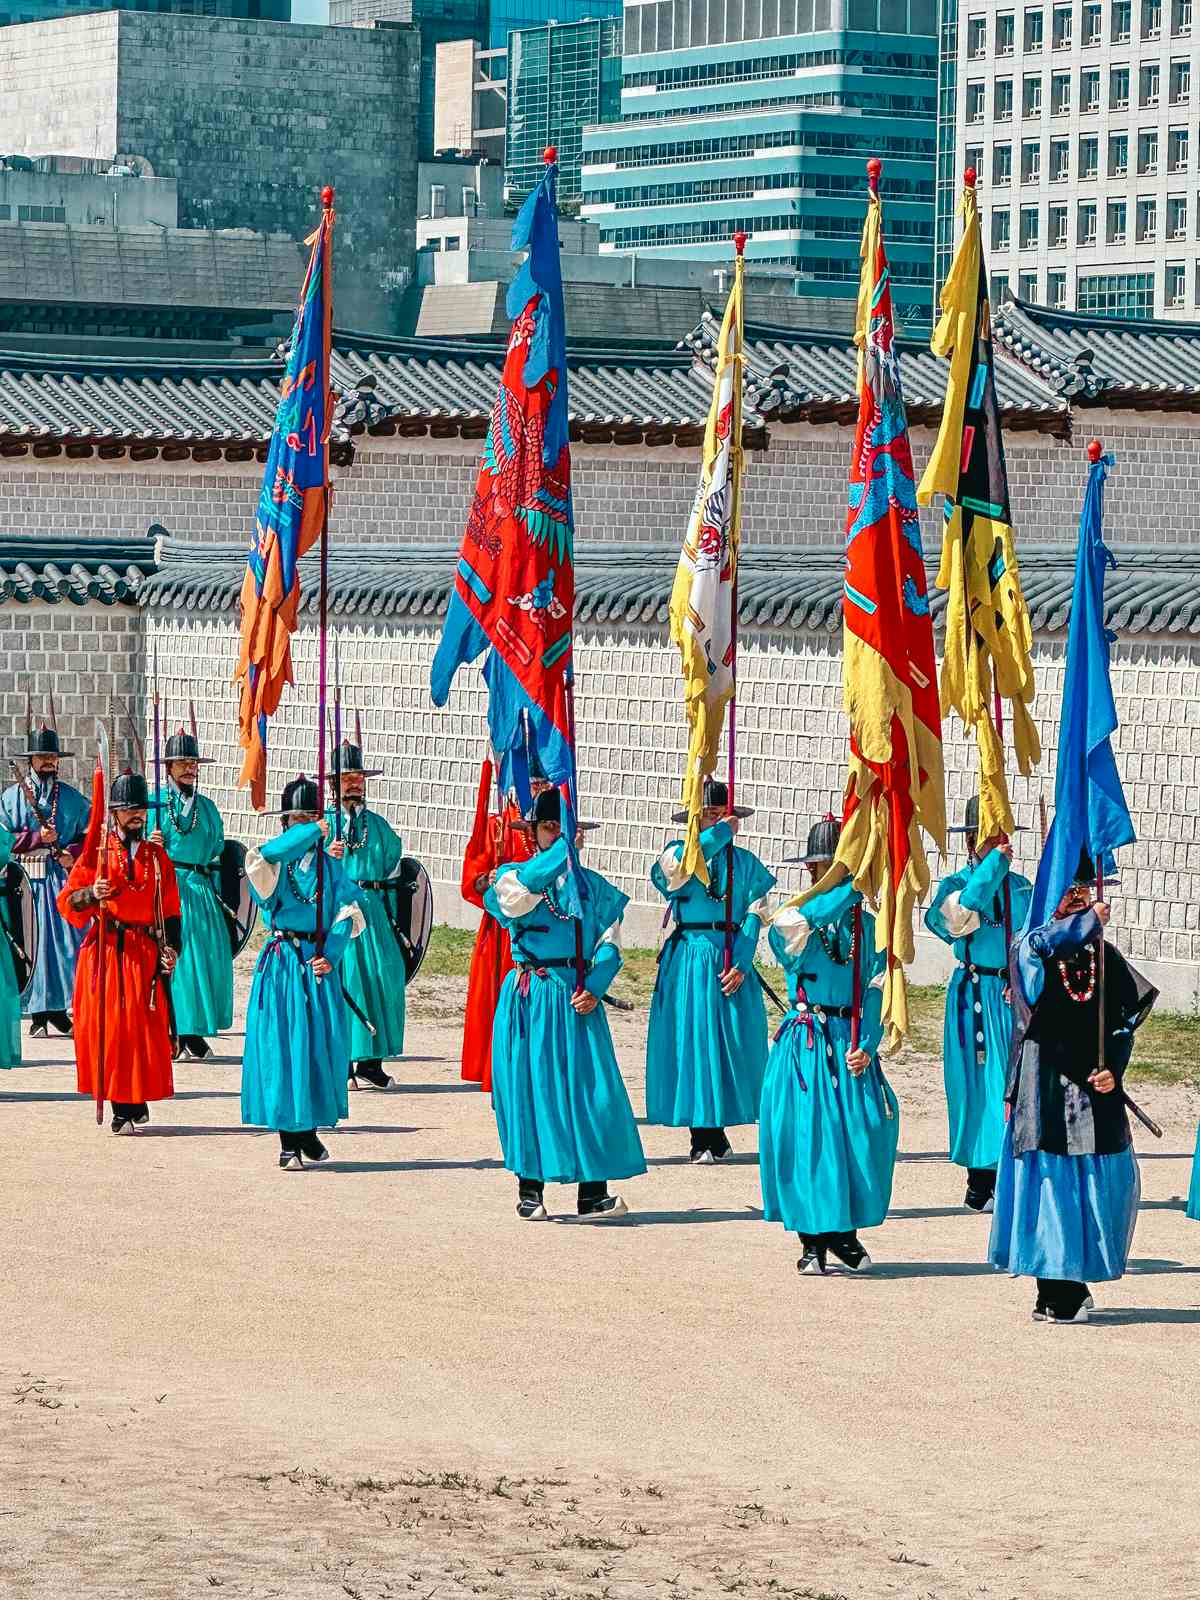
(968, 914)
(827, 1140)
(706, 1053)
(296, 1060)
(1193, 1203)
(10, 998)
(374, 974)
(562, 1109)
(202, 983)
(53, 983)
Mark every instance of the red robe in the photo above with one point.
(491, 958)
(138, 1050)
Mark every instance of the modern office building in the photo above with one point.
(43, 10)
(561, 77)
(1080, 120)
(506, 16)
(760, 115)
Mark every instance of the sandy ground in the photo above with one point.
(371, 1380)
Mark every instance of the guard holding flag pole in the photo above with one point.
(10, 989)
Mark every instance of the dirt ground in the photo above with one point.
(371, 1380)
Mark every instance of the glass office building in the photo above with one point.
(43, 10)
(507, 16)
(560, 78)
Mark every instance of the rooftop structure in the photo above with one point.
(470, 89)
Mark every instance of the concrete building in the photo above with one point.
(227, 109)
(561, 78)
(1081, 121)
(762, 117)
(12, 11)
(470, 89)
(117, 197)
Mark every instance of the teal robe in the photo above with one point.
(373, 972)
(967, 913)
(706, 1053)
(202, 983)
(10, 998)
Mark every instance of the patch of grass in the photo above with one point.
(449, 953)
(1167, 1046)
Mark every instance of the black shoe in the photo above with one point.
(39, 1028)
(603, 1209)
(61, 1021)
(720, 1146)
(976, 1200)
(812, 1262)
(122, 1124)
(370, 1075)
(289, 1161)
(141, 1116)
(850, 1253)
(311, 1148)
(531, 1209)
(196, 1046)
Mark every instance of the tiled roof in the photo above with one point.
(1105, 360)
(74, 570)
(171, 405)
(810, 376)
(1154, 589)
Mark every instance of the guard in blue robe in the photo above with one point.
(297, 1056)
(561, 1106)
(971, 911)
(1067, 1186)
(1193, 1200)
(830, 1121)
(707, 1045)
(48, 821)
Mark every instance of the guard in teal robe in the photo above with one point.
(828, 1133)
(10, 995)
(707, 1049)
(373, 973)
(561, 1106)
(968, 913)
(48, 819)
(297, 1056)
(192, 833)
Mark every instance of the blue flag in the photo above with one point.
(1090, 812)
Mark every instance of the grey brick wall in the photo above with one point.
(412, 490)
(791, 741)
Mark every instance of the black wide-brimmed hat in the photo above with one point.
(300, 796)
(349, 758)
(715, 794)
(1085, 871)
(129, 793)
(971, 819)
(547, 807)
(43, 741)
(183, 746)
(823, 839)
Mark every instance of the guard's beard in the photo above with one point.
(133, 830)
(186, 789)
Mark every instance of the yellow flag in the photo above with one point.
(986, 659)
(704, 595)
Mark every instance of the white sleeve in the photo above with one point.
(958, 918)
(793, 925)
(263, 874)
(612, 935)
(357, 921)
(760, 908)
(515, 899)
(671, 865)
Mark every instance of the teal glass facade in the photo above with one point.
(560, 78)
(760, 115)
(507, 16)
(44, 10)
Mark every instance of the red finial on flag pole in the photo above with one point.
(1095, 450)
(739, 243)
(327, 197)
(969, 177)
(874, 168)
(550, 155)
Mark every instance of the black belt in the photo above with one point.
(529, 965)
(820, 1012)
(976, 971)
(686, 927)
(290, 936)
(379, 883)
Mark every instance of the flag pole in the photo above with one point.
(1094, 451)
(735, 485)
(323, 625)
(337, 741)
(157, 730)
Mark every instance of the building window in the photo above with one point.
(1151, 19)
(999, 288)
(1148, 80)
(41, 214)
(1177, 150)
(1031, 162)
(1034, 26)
(1004, 99)
(1148, 153)
(1093, 26)
(1056, 228)
(1006, 33)
(976, 37)
(437, 199)
(1029, 228)
(1056, 290)
(1031, 98)
(1089, 90)
(1147, 220)
(1122, 21)
(1089, 156)
(1118, 89)
(1181, 18)
(1085, 233)
(453, 242)
(1181, 83)
(1027, 285)
(973, 157)
(1060, 94)
(1060, 160)
(1118, 155)
(1176, 217)
(1001, 165)
(1001, 235)
(1125, 294)
(1175, 285)
(1062, 28)
(975, 102)
(1116, 228)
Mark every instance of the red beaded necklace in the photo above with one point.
(1070, 975)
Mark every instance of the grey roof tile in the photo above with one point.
(74, 570)
(1104, 360)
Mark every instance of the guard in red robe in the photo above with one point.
(494, 840)
(123, 891)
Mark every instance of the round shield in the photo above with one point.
(19, 917)
(410, 911)
(234, 890)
